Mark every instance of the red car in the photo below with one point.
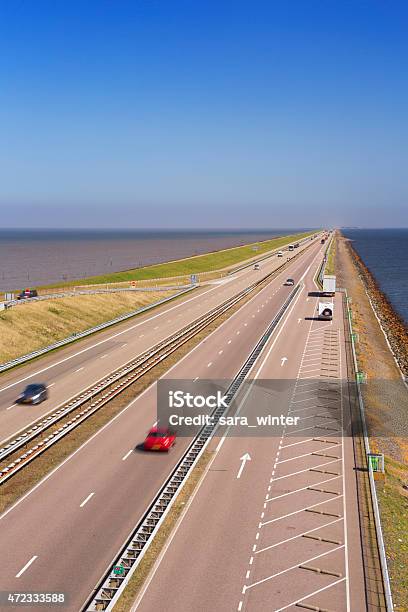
(159, 439)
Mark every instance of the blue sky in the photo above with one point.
(211, 114)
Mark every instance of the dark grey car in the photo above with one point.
(33, 394)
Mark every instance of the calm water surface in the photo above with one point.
(385, 253)
(38, 257)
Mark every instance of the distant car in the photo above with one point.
(27, 293)
(280, 254)
(33, 394)
(289, 282)
(159, 439)
(257, 267)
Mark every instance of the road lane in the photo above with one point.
(74, 546)
(121, 344)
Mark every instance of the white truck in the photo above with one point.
(329, 285)
(325, 310)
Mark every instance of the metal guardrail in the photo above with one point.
(112, 585)
(51, 347)
(322, 268)
(373, 491)
(64, 294)
(122, 378)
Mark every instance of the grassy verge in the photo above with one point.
(32, 326)
(191, 265)
(331, 258)
(393, 499)
(162, 283)
(146, 565)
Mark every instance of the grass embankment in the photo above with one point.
(331, 257)
(32, 326)
(191, 265)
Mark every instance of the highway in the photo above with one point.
(284, 534)
(63, 534)
(75, 368)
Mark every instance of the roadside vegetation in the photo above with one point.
(35, 325)
(191, 265)
(331, 257)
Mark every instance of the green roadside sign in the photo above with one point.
(376, 462)
(118, 570)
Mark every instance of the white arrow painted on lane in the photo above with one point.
(283, 359)
(244, 459)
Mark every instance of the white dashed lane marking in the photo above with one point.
(27, 565)
(86, 500)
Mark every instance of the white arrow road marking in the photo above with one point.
(299, 320)
(283, 359)
(244, 459)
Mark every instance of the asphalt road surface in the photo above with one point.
(63, 534)
(283, 534)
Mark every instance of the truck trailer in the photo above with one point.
(329, 285)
